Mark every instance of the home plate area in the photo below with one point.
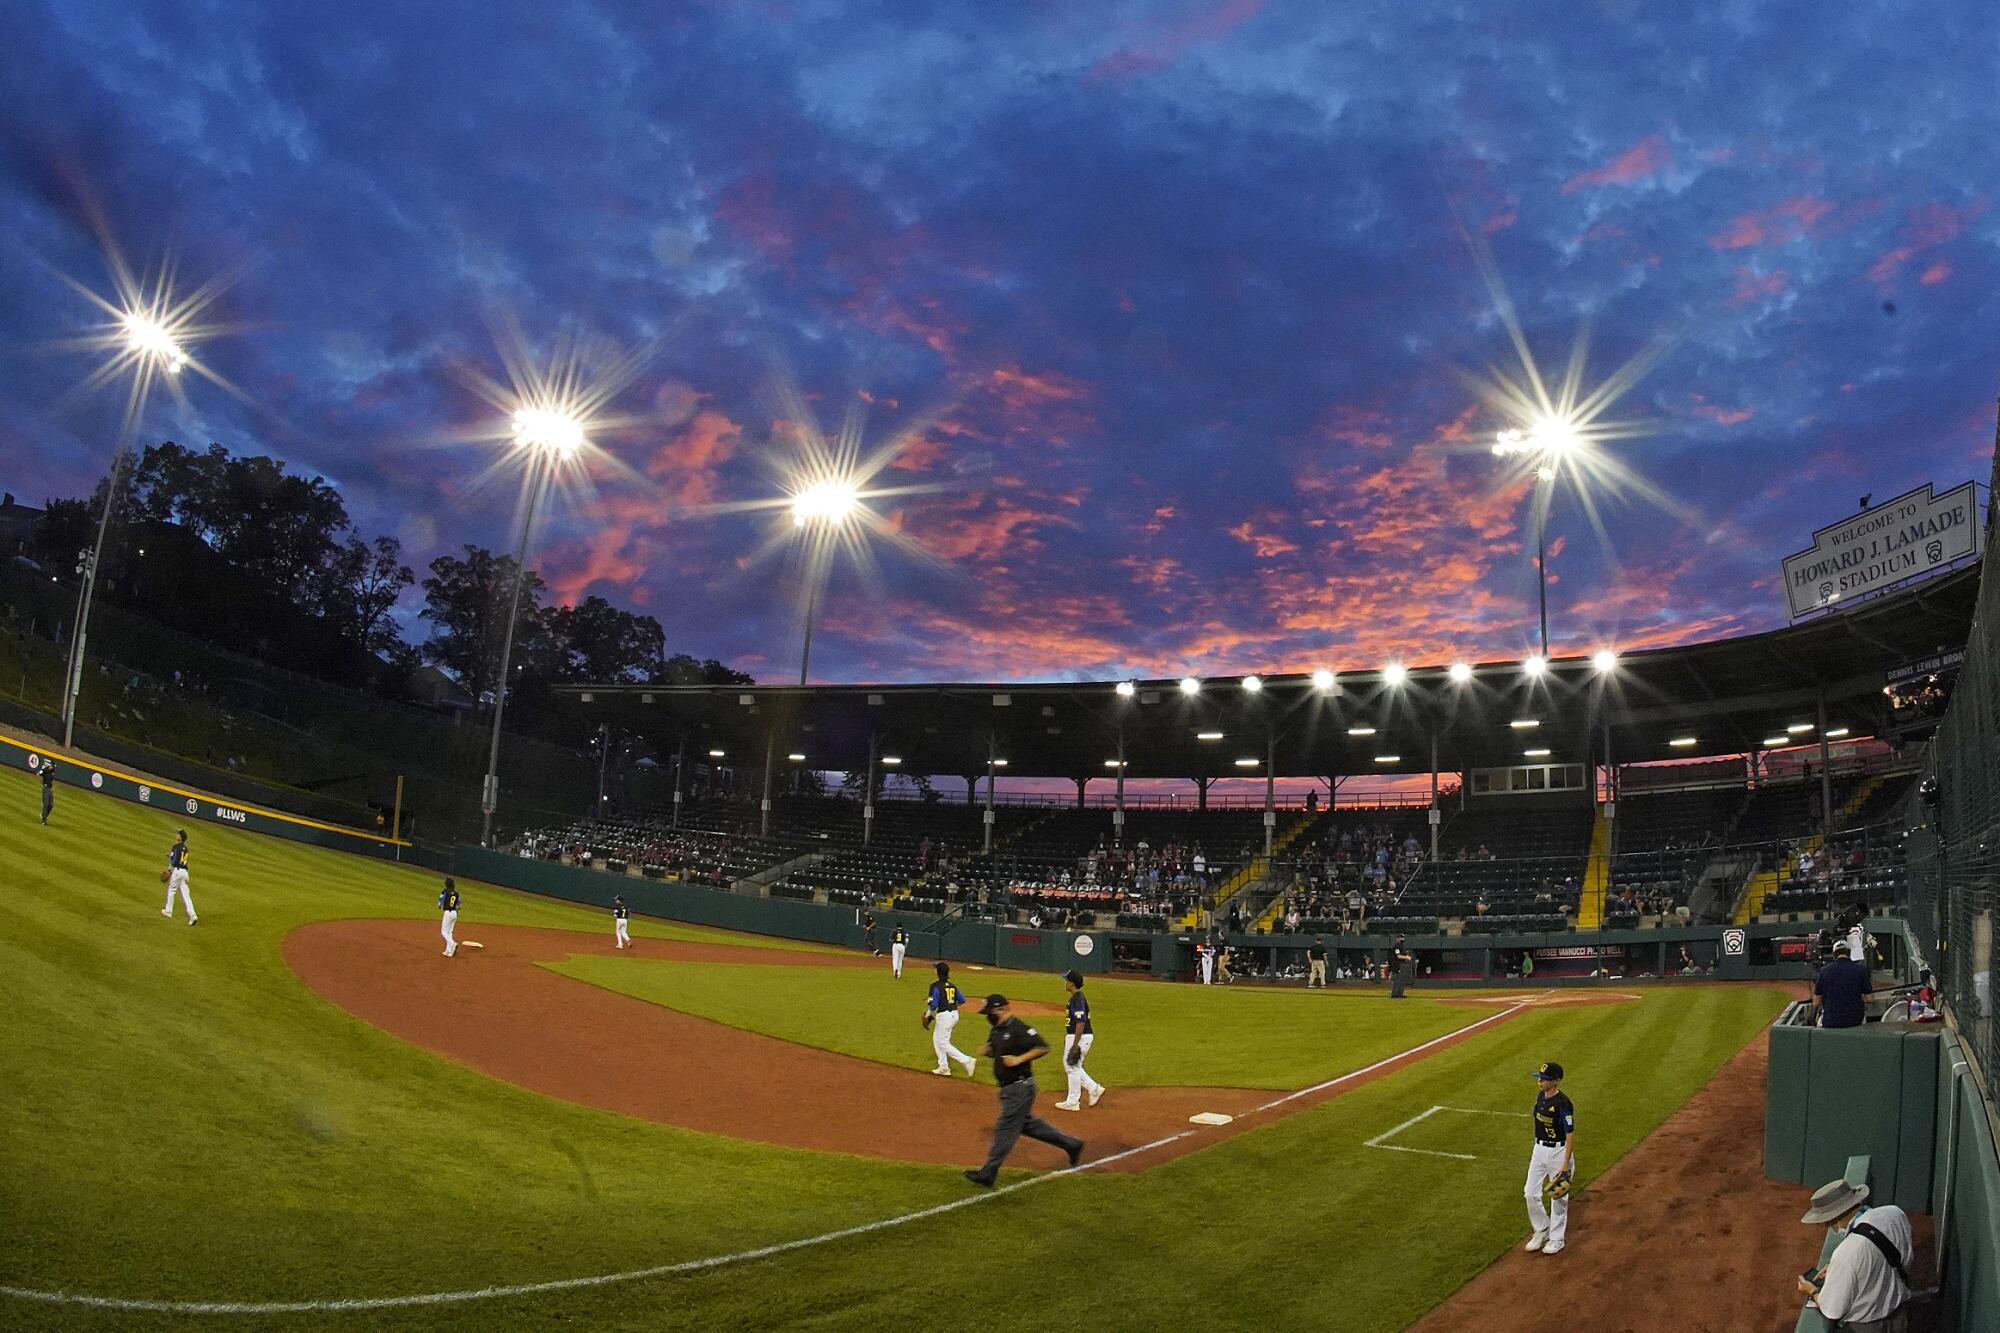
(1453, 1131)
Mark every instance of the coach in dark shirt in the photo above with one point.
(1014, 1046)
(1838, 991)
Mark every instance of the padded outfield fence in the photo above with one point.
(1952, 858)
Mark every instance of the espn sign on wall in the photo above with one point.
(1909, 536)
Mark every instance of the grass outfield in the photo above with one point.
(1148, 1034)
(184, 1120)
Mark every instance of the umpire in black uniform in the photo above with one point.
(1014, 1046)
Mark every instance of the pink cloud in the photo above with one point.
(1925, 229)
(1169, 42)
(1644, 160)
(1752, 286)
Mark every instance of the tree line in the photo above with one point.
(239, 552)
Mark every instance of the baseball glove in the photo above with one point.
(1073, 1057)
(1559, 1185)
(163, 877)
(926, 1019)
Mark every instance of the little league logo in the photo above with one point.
(97, 781)
(1084, 944)
(146, 794)
(193, 806)
(34, 761)
(1733, 943)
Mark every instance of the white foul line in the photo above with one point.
(139, 1305)
(1376, 1142)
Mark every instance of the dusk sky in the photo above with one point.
(1178, 295)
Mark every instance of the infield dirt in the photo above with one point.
(500, 1013)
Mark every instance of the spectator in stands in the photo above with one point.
(1838, 992)
(1684, 960)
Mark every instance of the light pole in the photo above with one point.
(151, 348)
(549, 436)
(1547, 443)
(817, 510)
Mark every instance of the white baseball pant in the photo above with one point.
(1207, 969)
(1554, 1220)
(177, 882)
(623, 938)
(896, 958)
(1080, 1082)
(445, 928)
(941, 1028)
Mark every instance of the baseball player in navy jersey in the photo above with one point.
(48, 789)
(941, 1016)
(618, 920)
(897, 943)
(1553, 1162)
(1077, 1039)
(448, 905)
(176, 875)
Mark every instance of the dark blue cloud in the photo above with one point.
(1184, 286)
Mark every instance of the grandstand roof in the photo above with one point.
(1731, 695)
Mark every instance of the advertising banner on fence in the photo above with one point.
(1909, 536)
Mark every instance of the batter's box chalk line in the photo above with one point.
(687, 1266)
(1382, 1140)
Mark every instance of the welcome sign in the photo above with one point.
(1908, 536)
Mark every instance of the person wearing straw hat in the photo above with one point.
(1866, 1282)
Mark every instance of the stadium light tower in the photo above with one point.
(1547, 444)
(825, 506)
(152, 349)
(547, 435)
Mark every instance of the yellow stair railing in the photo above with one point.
(1258, 868)
(1761, 883)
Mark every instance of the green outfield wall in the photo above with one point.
(190, 805)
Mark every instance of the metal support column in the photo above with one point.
(1118, 812)
(988, 821)
(770, 758)
(1081, 783)
(1270, 792)
(868, 792)
(1825, 776)
(1436, 815)
(1201, 793)
(680, 768)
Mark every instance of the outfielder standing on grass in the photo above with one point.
(1553, 1162)
(941, 1016)
(618, 920)
(448, 905)
(48, 789)
(176, 876)
(898, 942)
(1077, 1039)
(1013, 1046)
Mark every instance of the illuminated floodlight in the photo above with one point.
(549, 428)
(891, 760)
(1777, 740)
(715, 754)
(1684, 742)
(830, 502)
(1246, 763)
(1460, 672)
(1208, 735)
(1834, 733)
(1523, 723)
(796, 758)
(1126, 689)
(1189, 685)
(1534, 665)
(147, 339)
(998, 763)
(1252, 684)
(1322, 681)
(1395, 674)
(1798, 728)
(1361, 731)
(1604, 660)
(1535, 754)
(1388, 759)
(1114, 763)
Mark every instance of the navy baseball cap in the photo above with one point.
(1549, 1070)
(996, 1001)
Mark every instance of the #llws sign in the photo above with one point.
(1910, 535)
